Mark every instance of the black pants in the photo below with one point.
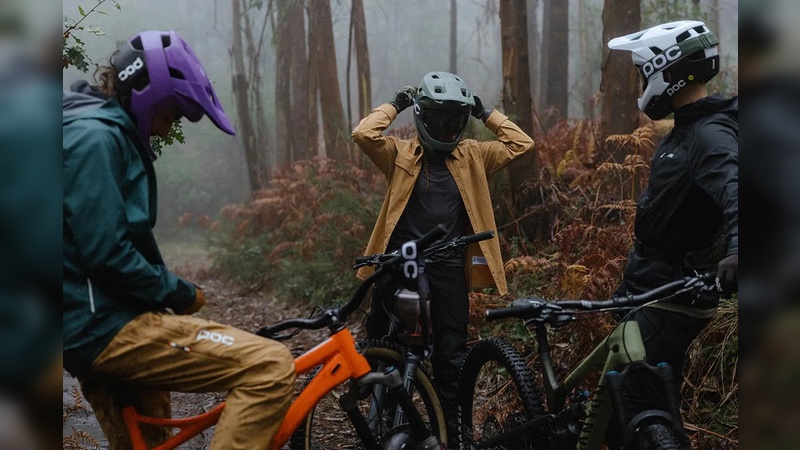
(449, 318)
(667, 335)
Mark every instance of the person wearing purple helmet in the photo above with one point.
(128, 332)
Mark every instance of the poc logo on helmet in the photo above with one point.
(130, 70)
(205, 335)
(676, 87)
(661, 60)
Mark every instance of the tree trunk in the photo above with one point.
(362, 59)
(321, 40)
(313, 94)
(243, 86)
(556, 18)
(534, 63)
(299, 81)
(453, 35)
(620, 85)
(283, 79)
(516, 82)
(586, 70)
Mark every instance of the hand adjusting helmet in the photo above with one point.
(160, 70)
(441, 111)
(668, 57)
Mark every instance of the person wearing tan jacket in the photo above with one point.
(439, 178)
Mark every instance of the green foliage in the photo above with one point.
(299, 236)
(175, 134)
(74, 48)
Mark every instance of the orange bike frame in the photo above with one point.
(340, 362)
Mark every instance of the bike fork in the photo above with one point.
(392, 380)
(409, 373)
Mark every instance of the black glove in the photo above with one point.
(478, 111)
(728, 275)
(403, 98)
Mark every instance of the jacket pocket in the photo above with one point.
(91, 296)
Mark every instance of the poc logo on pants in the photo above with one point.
(205, 335)
(130, 70)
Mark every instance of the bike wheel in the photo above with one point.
(497, 392)
(328, 427)
(657, 436)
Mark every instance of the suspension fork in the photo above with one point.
(412, 362)
(394, 384)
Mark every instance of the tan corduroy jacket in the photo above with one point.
(472, 164)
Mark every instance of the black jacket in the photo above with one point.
(693, 195)
(691, 200)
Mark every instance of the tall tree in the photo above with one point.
(247, 93)
(453, 35)
(517, 101)
(320, 41)
(533, 48)
(362, 59)
(299, 73)
(555, 61)
(283, 78)
(619, 88)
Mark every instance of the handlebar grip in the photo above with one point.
(304, 324)
(482, 236)
(501, 313)
(437, 232)
(362, 259)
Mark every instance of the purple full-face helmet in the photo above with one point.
(160, 70)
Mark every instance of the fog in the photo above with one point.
(406, 39)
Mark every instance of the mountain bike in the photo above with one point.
(337, 362)
(405, 346)
(635, 404)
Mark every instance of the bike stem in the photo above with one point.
(553, 393)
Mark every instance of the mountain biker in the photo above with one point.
(119, 334)
(687, 218)
(437, 177)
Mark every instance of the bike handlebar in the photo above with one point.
(527, 308)
(339, 314)
(381, 258)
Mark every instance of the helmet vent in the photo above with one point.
(435, 76)
(165, 40)
(655, 50)
(175, 73)
(638, 36)
(683, 36)
(137, 43)
(464, 92)
(438, 89)
(700, 29)
(457, 79)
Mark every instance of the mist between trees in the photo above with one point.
(296, 75)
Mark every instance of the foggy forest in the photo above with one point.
(280, 210)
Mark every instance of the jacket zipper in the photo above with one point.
(91, 295)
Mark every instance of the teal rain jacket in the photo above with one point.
(113, 270)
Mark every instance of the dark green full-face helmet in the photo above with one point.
(441, 111)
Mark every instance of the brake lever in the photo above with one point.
(555, 315)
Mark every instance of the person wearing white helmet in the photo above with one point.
(687, 218)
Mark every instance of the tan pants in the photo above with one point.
(158, 353)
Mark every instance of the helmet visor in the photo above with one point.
(444, 126)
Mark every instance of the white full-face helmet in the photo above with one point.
(670, 56)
